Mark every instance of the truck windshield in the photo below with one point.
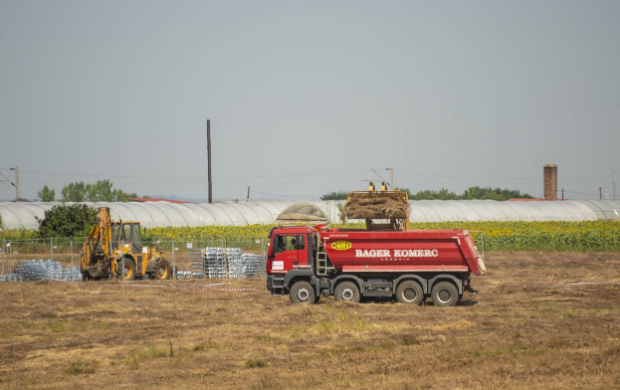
(290, 243)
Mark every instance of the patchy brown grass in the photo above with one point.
(512, 336)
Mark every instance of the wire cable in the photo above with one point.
(287, 196)
(7, 179)
(192, 177)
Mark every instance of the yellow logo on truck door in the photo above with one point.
(341, 245)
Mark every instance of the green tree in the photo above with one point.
(67, 221)
(121, 196)
(442, 194)
(101, 191)
(74, 192)
(409, 194)
(340, 195)
(471, 193)
(492, 193)
(47, 195)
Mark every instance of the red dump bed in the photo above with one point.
(402, 251)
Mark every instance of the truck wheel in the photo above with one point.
(347, 292)
(445, 294)
(409, 292)
(129, 273)
(302, 292)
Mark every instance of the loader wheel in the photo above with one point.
(302, 292)
(347, 292)
(410, 292)
(445, 294)
(162, 270)
(129, 272)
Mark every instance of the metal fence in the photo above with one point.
(208, 257)
(223, 263)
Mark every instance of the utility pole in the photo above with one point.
(248, 198)
(209, 159)
(16, 169)
(562, 193)
(392, 181)
(600, 193)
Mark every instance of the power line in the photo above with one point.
(596, 191)
(307, 175)
(287, 196)
(500, 177)
(7, 179)
(192, 177)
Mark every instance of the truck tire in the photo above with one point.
(129, 273)
(347, 292)
(302, 292)
(445, 294)
(410, 292)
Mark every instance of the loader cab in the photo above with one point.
(127, 233)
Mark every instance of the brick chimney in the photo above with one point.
(550, 172)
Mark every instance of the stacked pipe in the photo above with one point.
(231, 263)
(32, 270)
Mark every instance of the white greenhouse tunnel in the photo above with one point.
(164, 214)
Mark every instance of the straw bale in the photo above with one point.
(376, 208)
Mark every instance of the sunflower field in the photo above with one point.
(543, 235)
(547, 235)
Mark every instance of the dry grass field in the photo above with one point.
(520, 332)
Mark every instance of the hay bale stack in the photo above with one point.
(376, 208)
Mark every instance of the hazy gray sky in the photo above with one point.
(305, 97)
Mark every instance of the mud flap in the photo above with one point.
(470, 290)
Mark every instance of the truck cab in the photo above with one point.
(289, 249)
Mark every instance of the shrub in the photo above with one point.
(67, 221)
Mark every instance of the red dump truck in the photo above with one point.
(307, 262)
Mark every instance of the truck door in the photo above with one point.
(289, 250)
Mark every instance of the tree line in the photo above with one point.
(101, 191)
(471, 193)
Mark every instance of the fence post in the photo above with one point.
(122, 261)
(3, 250)
(174, 264)
(262, 246)
(51, 249)
(226, 265)
(71, 246)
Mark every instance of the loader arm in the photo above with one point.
(97, 245)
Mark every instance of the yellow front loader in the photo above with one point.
(114, 249)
